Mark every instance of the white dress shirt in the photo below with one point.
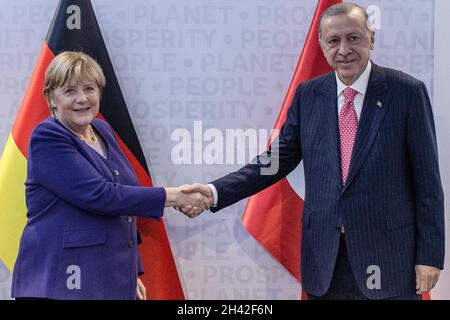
(359, 85)
(214, 192)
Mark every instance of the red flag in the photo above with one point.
(273, 216)
(75, 27)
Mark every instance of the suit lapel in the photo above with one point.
(372, 116)
(329, 120)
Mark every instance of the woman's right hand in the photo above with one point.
(193, 203)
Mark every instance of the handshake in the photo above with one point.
(191, 200)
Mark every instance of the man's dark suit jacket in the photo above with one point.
(392, 204)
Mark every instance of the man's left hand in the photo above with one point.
(426, 278)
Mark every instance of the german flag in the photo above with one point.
(75, 28)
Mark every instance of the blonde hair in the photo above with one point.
(71, 66)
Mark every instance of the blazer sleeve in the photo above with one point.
(283, 156)
(140, 264)
(429, 196)
(56, 164)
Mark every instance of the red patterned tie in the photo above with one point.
(348, 123)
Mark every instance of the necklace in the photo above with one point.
(93, 138)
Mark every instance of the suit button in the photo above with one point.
(130, 219)
(130, 244)
(116, 172)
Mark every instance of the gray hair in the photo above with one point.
(344, 8)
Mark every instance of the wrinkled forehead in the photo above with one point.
(344, 24)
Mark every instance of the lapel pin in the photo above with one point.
(379, 104)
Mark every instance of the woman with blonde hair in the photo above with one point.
(80, 240)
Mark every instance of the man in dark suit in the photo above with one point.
(373, 219)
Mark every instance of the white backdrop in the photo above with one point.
(227, 64)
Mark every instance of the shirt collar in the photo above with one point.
(359, 85)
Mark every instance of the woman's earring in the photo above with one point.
(53, 112)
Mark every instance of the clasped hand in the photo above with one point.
(192, 199)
